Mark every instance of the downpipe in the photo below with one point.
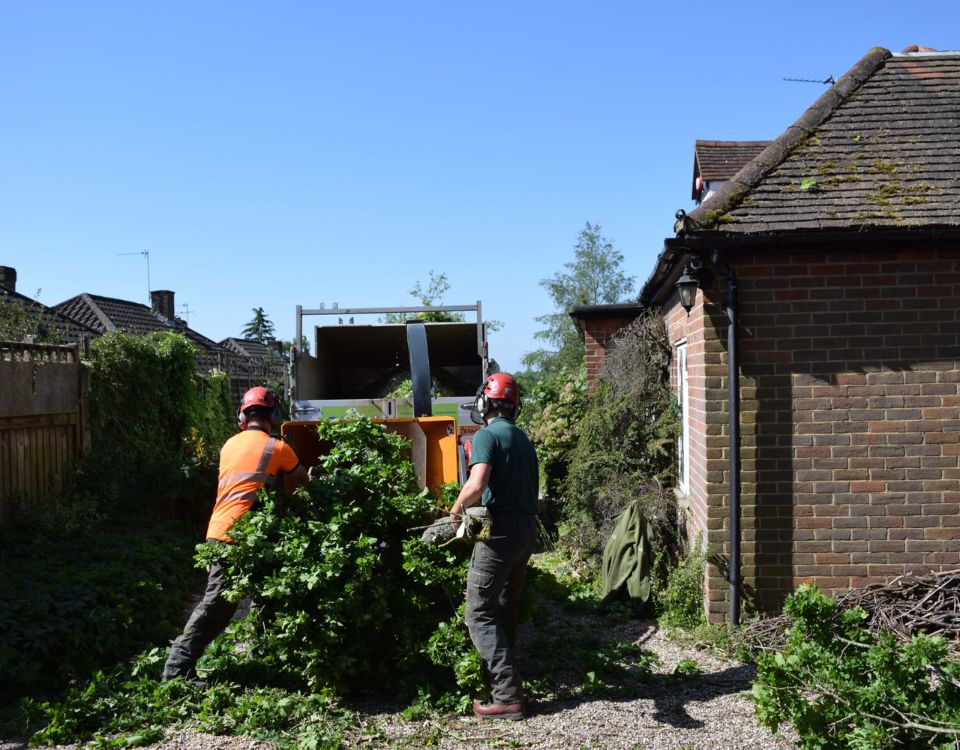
(733, 448)
(733, 378)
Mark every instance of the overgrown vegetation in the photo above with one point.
(678, 599)
(74, 604)
(624, 446)
(842, 686)
(95, 575)
(21, 319)
(157, 426)
(552, 408)
(351, 604)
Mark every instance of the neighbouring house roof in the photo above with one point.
(880, 148)
(255, 361)
(51, 324)
(104, 314)
(721, 160)
(252, 348)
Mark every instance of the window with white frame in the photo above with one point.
(683, 399)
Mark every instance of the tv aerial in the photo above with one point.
(146, 256)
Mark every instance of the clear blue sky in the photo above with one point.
(270, 154)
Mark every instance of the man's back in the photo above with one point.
(514, 479)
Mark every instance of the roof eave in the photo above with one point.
(676, 250)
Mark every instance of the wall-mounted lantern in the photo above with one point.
(687, 285)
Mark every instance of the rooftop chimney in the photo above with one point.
(161, 301)
(8, 278)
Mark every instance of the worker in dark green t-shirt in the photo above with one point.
(504, 479)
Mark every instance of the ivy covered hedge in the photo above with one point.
(97, 574)
(156, 424)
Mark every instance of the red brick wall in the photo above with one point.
(850, 420)
(707, 435)
(597, 335)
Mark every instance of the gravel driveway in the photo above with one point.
(708, 711)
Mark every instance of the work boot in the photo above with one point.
(509, 711)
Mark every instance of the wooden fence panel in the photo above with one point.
(41, 421)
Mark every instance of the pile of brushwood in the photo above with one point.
(876, 669)
(350, 603)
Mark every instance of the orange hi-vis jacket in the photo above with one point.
(248, 461)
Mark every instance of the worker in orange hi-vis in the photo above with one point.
(248, 461)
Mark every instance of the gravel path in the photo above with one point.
(677, 712)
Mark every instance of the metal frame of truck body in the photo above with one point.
(397, 410)
(313, 408)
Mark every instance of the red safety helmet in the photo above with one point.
(258, 396)
(500, 391)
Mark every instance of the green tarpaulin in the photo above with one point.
(626, 558)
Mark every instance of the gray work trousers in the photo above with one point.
(494, 586)
(208, 620)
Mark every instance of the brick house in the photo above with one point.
(818, 366)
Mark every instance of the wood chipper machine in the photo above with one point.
(412, 376)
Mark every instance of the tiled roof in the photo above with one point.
(721, 160)
(105, 314)
(250, 348)
(52, 323)
(881, 148)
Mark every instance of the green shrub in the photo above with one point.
(842, 686)
(624, 446)
(552, 408)
(678, 599)
(334, 570)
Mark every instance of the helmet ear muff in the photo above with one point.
(241, 420)
(483, 405)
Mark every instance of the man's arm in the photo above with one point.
(472, 490)
(296, 478)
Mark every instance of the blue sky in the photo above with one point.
(304, 152)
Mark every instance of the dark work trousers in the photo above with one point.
(494, 585)
(209, 618)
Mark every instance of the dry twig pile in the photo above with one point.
(907, 605)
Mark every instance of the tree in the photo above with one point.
(21, 319)
(259, 327)
(303, 347)
(594, 277)
(430, 296)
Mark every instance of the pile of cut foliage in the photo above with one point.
(842, 683)
(349, 603)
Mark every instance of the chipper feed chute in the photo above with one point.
(433, 445)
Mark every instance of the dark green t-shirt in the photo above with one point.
(514, 478)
